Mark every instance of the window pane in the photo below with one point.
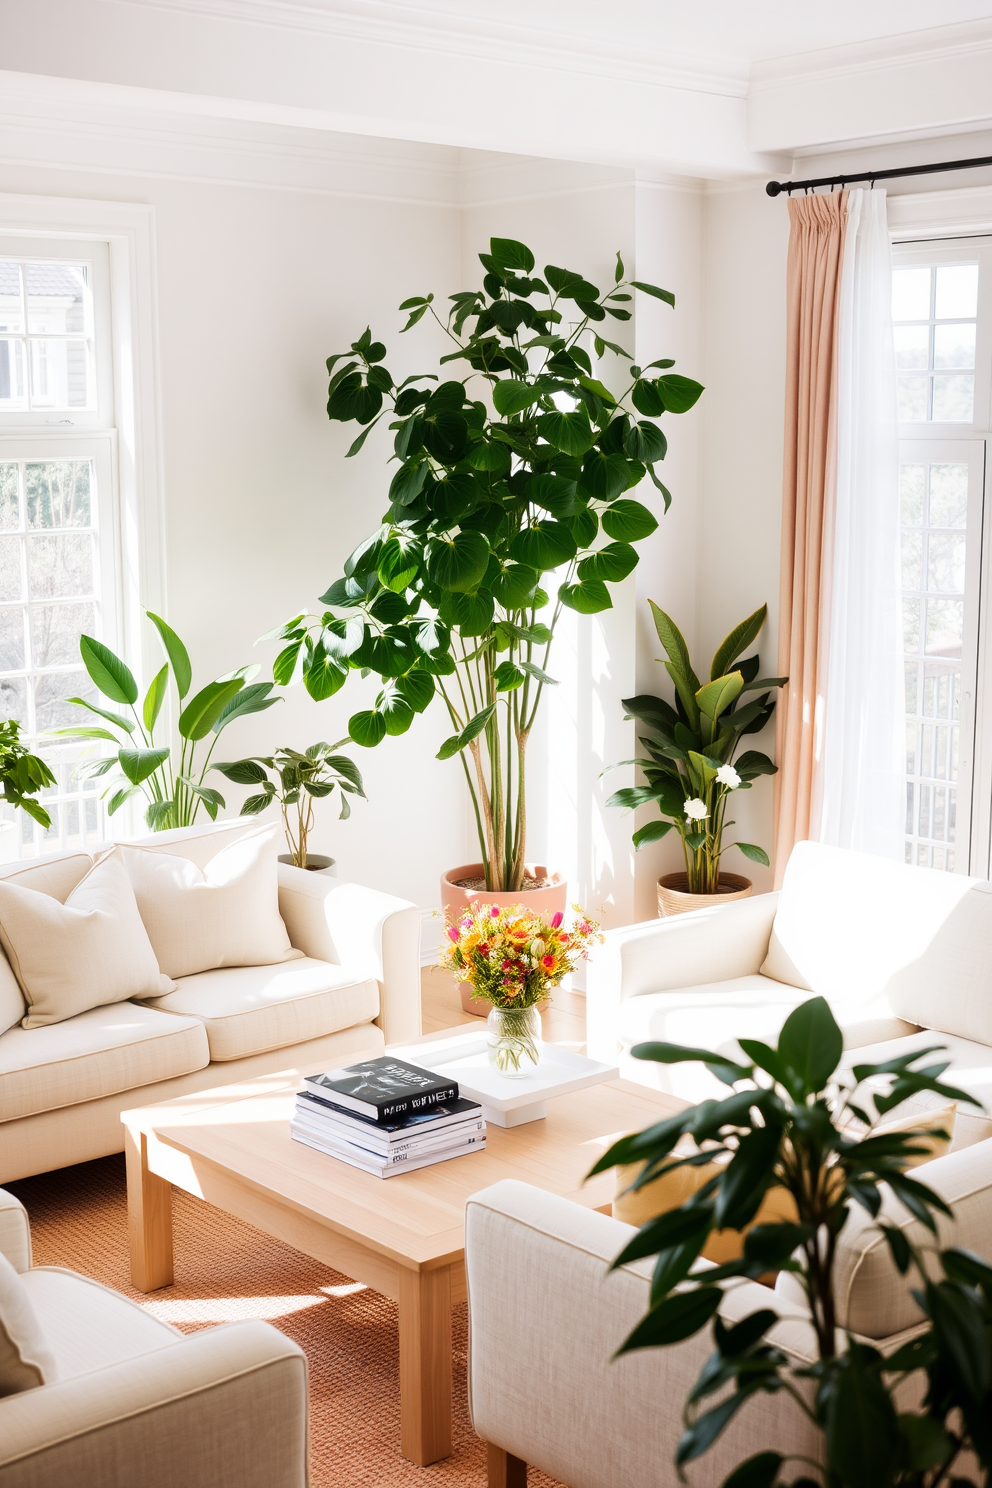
(911, 294)
(55, 632)
(12, 639)
(953, 398)
(8, 497)
(913, 400)
(945, 627)
(945, 566)
(957, 291)
(948, 495)
(52, 708)
(953, 345)
(912, 486)
(11, 584)
(56, 294)
(14, 698)
(11, 310)
(58, 494)
(13, 392)
(59, 374)
(912, 560)
(911, 623)
(912, 345)
(60, 567)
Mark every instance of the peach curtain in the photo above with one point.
(816, 250)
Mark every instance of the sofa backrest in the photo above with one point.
(202, 842)
(872, 1298)
(860, 929)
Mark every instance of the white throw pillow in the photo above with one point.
(57, 876)
(226, 914)
(87, 952)
(25, 1358)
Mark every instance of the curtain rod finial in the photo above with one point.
(773, 188)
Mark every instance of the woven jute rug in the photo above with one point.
(225, 1271)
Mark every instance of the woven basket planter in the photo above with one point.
(674, 897)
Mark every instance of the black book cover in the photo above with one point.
(384, 1089)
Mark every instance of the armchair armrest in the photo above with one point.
(350, 925)
(689, 950)
(546, 1316)
(226, 1408)
(15, 1232)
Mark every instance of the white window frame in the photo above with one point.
(973, 847)
(128, 415)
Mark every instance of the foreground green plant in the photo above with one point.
(690, 769)
(173, 787)
(300, 780)
(786, 1123)
(22, 774)
(498, 492)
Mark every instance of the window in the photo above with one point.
(942, 318)
(59, 559)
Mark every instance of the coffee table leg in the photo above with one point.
(149, 1217)
(425, 1365)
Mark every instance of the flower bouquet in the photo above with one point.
(514, 957)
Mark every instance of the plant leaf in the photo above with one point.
(107, 671)
(176, 652)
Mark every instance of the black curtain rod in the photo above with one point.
(774, 188)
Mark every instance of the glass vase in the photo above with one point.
(514, 1039)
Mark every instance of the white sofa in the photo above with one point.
(546, 1315)
(902, 954)
(356, 986)
(137, 1402)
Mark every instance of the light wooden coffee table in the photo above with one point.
(402, 1236)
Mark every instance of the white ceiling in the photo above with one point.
(709, 88)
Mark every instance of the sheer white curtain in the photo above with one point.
(860, 780)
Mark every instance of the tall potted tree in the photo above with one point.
(513, 463)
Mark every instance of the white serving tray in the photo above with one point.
(506, 1102)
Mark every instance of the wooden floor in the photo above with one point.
(564, 1017)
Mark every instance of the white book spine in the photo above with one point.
(364, 1161)
(336, 1141)
(364, 1136)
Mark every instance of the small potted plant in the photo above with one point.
(691, 769)
(512, 957)
(22, 774)
(300, 779)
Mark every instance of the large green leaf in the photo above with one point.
(202, 711)
(471, 614)
(243, 772)
(653, 832)
(811, 1044)
(613, 563)
(138, 764)
(254, 699)
(176, 652)
(654, 291)
(396, 710)
(644, 441)
(543, 545)
(628, 521)
(323, 674)
(569, 432)
(604, 476)
(399, 562)
(514, 586)
(459, 563)
(588, 598)
(367, 729)
(418, 689)
(673, 641)
(154, 698)
(737, 641)
(489, 455)
(457, 742)
(408, 482)
(507, 253)
(107, 671)
(715, 697)
(678, 1317)
(511, 396)
(678, 393)
(117, 719)
(554, 493)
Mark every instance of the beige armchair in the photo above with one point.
(136, 1402)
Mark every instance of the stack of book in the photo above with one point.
(386, 1116)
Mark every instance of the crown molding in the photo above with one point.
(423, 28)
(936, 44)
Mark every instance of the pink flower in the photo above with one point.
(557, 919)
(507, 965)
(494, 912)
(452, 933)
(585, 928)
(484, 948)
(467, 922)
(547, 962)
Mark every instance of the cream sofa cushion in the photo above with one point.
(97, 1053)
(872, 1298)
(715, 1016)
(57, 876)
(249, 1009)
(225, 913)
(25, 1358)
(91, 950)
(970, 1070)
(87, 1325)
(857, 928)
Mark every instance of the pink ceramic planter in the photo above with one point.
(454, 899)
